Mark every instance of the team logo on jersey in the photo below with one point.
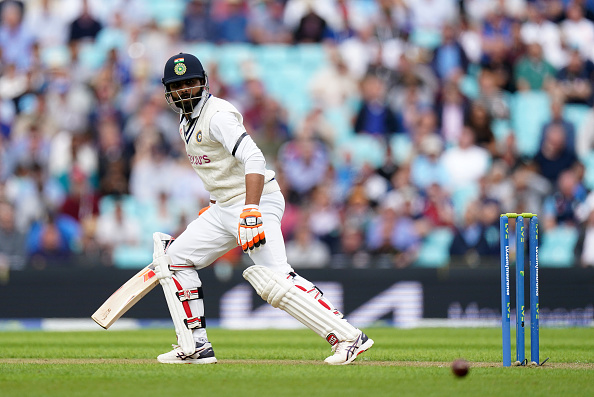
(199, 137)
(179, 67)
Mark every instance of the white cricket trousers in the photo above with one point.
(215, 232)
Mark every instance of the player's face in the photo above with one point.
(185, 93)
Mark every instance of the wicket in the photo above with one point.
(505, 287)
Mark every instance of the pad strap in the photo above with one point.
(195, 322)
(190, 294)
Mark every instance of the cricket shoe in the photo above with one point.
(347, 351)
(204, 354)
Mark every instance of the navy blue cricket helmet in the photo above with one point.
(182, 66)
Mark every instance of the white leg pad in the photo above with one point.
(281, 293)
(184, 334)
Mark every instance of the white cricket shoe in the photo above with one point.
(204, 354)
(347, 351)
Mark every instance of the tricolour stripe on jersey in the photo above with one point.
(189, 130)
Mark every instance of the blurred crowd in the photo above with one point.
(422, 121)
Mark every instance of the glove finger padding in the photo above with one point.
(251, 232)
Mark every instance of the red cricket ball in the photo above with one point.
(460, 367)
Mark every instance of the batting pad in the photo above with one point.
(176, 309)
(281, 293)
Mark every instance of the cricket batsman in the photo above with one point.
(246, 207)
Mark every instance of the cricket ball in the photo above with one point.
(460, 367)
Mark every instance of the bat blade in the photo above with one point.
(125, 297)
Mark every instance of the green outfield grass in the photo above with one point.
(413, 362)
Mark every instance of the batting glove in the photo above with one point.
(251, 232)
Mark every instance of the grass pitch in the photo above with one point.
(413, 362)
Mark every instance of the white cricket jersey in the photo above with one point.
(222, 173)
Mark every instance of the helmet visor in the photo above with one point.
(185, 99)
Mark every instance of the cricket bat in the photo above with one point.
(125, 297)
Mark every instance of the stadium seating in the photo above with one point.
(576, 113)
(435, 249)
(462, 196)
(365, 149)
(588, 162)
(401, 146)
(529, 111)
(557, 247)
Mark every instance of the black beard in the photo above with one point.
(187, 105)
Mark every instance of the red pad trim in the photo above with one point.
(185, 304)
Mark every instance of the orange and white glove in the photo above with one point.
(251, 232)
(202, 210)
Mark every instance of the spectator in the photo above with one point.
(532, 71)
(391, 20)
(584, 141)
(560, 208)
(409, 74)
(449, 61)
(380, 230)
(364, 53)
(81, 203)
(438, 208)
(491, 96)
(114, 156)
(85, 26)
(499, 61)
(395, 233)
(480, 121)
(554, 156)
(305, 250)
(334, 85)
(584, 249)
(52, 241)
(577, 31)
(263, 116)
(442, 13)
(14, 83)
(558, 118)
(29, 149)
(537, 29)
(497, 28)
(353, 253)
(197, 22)
(16, 41)
(12, 240)
(465, 164)
(312, 28)
(470, 243)
(426, 168)
(451, 110)
(324, 218)
(304, 161)
(73, 151)
(266, 25)
(574, 81)
(529, 191)
(374, 116)
(116, 228)
(33, 193)
(490, 212)
(231, 22)
(151, 169)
